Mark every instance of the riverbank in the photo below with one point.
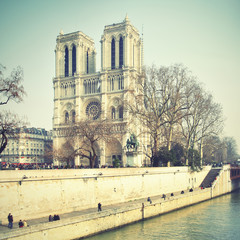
(88, 222)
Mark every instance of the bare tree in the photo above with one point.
(11, 89)
(231, 147)
(179, 86)
(160, 102)
(211, 122)
(192, 119)
(66, 153)
(203, 119)
(150, 103)
(84, 135)
(214, 150)
(8, 124)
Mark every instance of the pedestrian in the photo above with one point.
(149, 200)
(99, 207)
(25, 223)
(10, 220)
(50, 218)
(20, 224)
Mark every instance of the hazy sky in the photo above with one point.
(204, 35)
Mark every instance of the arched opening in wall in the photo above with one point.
(73, 60)
(121, 52)
(120, 82)
(66, 62)
(87, 62)
(113, 151)
(73, 116)
(113, 54)
(66, 117)
(89, 87)
(85, 161)
(74, 89)
(112, 83)
(113, 113)
(85, 87)
(120, 111)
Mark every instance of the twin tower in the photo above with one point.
(80, 91)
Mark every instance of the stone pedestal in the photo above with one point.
(133, 159)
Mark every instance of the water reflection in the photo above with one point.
(216, 219)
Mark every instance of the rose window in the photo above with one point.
(93, 110)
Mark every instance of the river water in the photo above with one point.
(215, 219)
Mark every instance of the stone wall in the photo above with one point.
(32, 194)
(86, 225)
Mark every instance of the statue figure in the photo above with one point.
(132, 143)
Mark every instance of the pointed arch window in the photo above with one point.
(120, 113)
(112, 84)
(73, 116)
(113, 54)
(120, 52)
(85, 87)
(66, 62)
(66, 117)
(113, 113)
(73, 60)
(87, 63)
(65, 90)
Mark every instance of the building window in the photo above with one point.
(66, 62)
(93, 110)
(112, 84)
(73, 116)
(66, 117)
(87, 63)
(73, 60)
(120, 82)
(113, 113)
(120, 52)
(113, 54)
(121, 113)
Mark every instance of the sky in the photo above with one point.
(203, 35)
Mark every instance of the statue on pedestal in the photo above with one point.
(132, 143)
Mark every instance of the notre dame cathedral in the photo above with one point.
(79, 90)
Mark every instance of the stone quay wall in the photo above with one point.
(29, 194)
(93, 223)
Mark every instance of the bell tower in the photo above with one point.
(121, 46)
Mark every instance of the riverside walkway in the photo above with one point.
(39, 222)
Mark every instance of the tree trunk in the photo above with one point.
(3, 143)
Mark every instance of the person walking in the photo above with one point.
(10, 220)
(99, 207)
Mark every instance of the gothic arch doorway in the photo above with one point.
(113, 151)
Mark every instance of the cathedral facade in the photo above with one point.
(80, 91)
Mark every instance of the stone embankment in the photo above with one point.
(86, 222)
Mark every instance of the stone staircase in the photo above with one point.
(208, 180)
